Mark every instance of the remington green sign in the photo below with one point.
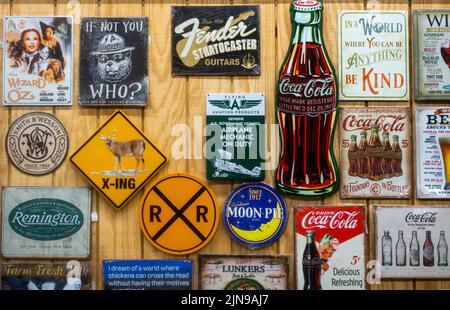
(46, 219)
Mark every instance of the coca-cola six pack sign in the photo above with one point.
(339, 241)
(433, 152)
(411, 241)
(375, 152)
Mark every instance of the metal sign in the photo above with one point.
(338, 236)
(375, 152)
(113, 61)
(243, 272)
(255, 214)
(236, 136)
(73, 275)
(411, 241)
(432, 54)
(178, 214)
(215, 40)
(50, 222)
(373, 55)
(147, 275)
(118, 159)
(37, 59)
(37, 143)
(432, 152)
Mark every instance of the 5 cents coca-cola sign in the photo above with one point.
(375, 152)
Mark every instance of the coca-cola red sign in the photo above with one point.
(389, 122)
(343, 223)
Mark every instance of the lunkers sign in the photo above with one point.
(219, 40)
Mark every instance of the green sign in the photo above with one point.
(235, 136)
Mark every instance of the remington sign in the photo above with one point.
(46, 222)
(46, 219)
(219, 40)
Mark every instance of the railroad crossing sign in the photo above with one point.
(178, 214)
(118, 159)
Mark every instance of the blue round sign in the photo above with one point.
(255, 214)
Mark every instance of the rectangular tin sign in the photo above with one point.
(236, 136)
(432, 54)
(339, 239)
(46, 222)
(432, 152)
(73, 275)
(373, 55)
(37, 58)
(147, 275)
(375, 152)
(216, 40)
(113, 61)
(411, 241)
(243, 272)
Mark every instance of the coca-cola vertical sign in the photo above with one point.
(339, 238)
(373, 55)
(411, 242)
(375, 152)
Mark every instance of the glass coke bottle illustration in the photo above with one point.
(306, 108)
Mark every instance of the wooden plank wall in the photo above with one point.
(181, 100)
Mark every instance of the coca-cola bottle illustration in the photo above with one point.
(414, 250)
(363, 159)
(311, 263)
(353, 169)
(400, 250)
(397, 157)
(386, 161)
(386, 249)
(374, 155)
(306, 108)
(428, 251)
(442, 250)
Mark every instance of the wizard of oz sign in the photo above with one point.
(215, 40)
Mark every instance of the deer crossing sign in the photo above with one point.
(118, 159)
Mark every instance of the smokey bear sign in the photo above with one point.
(113, 61)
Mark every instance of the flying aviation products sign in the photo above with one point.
(37, 60)
(236, 135)
(432, 54)
(113, 61)
(215, 40)
(373, 55)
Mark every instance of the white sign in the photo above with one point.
(373, 55)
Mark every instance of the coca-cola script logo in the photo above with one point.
(389, 122)
(341, 222)
(311, 88)
(423, 218)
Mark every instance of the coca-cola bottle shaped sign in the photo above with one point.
(306, 108)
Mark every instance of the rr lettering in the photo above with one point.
(201, 214)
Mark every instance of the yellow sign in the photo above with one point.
(118, 159)
(178, 214)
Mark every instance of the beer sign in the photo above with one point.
(46, 222)
(243, 272)
(118, 159)
(433, 152)
(215, 40)
(373, 56)
(37, 58)
(113, 61)
(329, 248)
(432, 54)
(411, 241)
(375, 152)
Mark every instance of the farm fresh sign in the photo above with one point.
(373, 55)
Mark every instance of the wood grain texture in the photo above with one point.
(176, 113)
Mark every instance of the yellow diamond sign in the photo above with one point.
(118, 159)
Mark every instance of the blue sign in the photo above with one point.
(147, 275)
(255, 214)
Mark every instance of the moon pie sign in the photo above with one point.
(255, 215)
